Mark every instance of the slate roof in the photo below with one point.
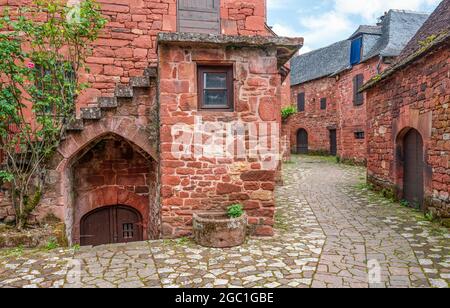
(438, 23)
(436, 29)
(387, 39)
(319, 63)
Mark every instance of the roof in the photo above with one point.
(387, 39)
(320, 63)
(438, 23)
(286, 46)
(434, 33)
(398, 27)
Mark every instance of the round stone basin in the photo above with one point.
(216, 230)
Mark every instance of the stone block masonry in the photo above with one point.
(200, 182)
(416, 97)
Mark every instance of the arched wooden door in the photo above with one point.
(110, 225)
(302, 141)
(413, 182)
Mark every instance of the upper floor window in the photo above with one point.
(323, 103)
(360, 135)
(356, 51)
(358, 98)
(215, 88)
(301, 102)
(199, 16)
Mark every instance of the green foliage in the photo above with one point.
(76, 247)
(430, 216)
(235, 211)
(52, 244)
(40, 63)
(287, 112)
(404, 203)
(280, 222)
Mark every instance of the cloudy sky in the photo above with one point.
(322, 22)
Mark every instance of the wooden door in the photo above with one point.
(302, 141)
(199, 16)
(413, 182)
(333, 142)
(110, 225)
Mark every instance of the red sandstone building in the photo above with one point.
(159, 71)
(409, 120)
(331, 117)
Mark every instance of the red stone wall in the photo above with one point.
(353, 118)
(195, 182)
(244, 17)
(128, 43)
(416, 97)
(341, 114)
(6, 209)
(314, 120)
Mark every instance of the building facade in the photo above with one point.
(409, 120)
(135, 162)
(331, 117)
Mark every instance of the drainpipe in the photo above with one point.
(379, 64)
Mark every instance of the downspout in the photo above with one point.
(379, 64)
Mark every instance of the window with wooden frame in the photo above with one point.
(358, 98)
(323, 103)
(360, 135)
(215, 88)
(301, 102)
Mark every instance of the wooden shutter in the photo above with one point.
(199, 16)
(356, 50)
(301, 102)
(358, 98)
(323, 103)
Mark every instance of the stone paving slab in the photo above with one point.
(331, 232)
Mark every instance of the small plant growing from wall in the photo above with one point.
(41, 60)
(235, 211)
(286, 112)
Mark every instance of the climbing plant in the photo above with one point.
(43, 49)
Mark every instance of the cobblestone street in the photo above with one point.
(331, 232)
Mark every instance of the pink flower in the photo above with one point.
(31, 65)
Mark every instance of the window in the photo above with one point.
(358, 98)
(360, 135)
(356, 51)
(215, 88)
(323, 103)
(301, 102)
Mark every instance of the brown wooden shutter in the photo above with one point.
(323, 103)
(358, 98)
(199, 16)
(301, 102)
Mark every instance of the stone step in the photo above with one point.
(140, 82)
(151, 72)
(75, 125)
(123, 91)
(107, 102)
(92, 113)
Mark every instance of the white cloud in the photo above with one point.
(324, 26)
(372, 9)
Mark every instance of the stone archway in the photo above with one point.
(111, 171)
(77, 146)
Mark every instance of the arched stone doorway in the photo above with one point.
(302, 141)
(413, 167)
(114, 185)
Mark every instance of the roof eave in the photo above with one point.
(444, 38)
(286, 47)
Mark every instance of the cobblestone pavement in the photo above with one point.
(331, 232)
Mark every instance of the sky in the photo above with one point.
(323, 22)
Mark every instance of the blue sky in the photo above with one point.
(322, 22)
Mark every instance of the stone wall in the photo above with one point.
(341, 113)
(127, 45)
(415, 97)
(195, 182)
(6, 209)
(315, 121)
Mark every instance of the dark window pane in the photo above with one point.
(215, 80)
(360, 135)
(301, 102)
(216, 98)
(323, 103)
